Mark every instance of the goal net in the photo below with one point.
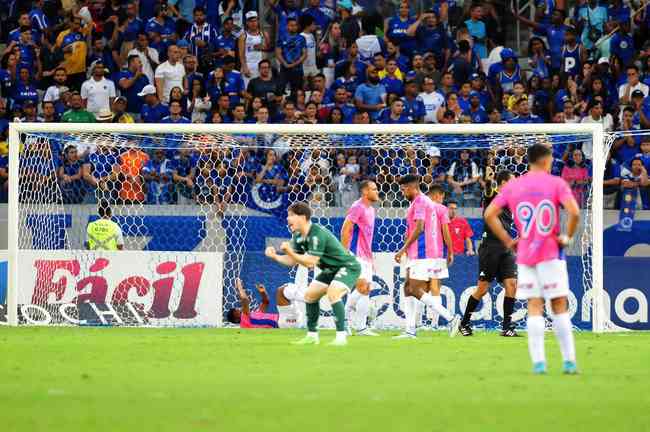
(197, 204)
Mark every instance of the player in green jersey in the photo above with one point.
(314, 246)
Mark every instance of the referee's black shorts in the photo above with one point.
(496, 262)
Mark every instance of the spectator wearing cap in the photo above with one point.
(477, 84)
(349, 22)
(73, 42)
(170, 74)
(413, 104)
(432, 100)
(460, 231)
(131, 82)
(291, 53)
(435, 172)
(98, 92)
(77, 112)
(476, 111)
(463, 176)
(161, 23)
(252, 45)
(524, 115)
(29, 113)
(431, 37)
(633, 83)
(152, 110)
(226, 43)
(24, 90)
(120, 115)
(105, 115)
(504, 74)
(148, 55)
(371, 95)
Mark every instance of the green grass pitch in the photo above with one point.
(112, 379)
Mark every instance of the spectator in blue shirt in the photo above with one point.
(475, 111)
(24, 90)
(175, 113)
(225, 43)
(431, 37)
(234, 83)
(341, 102)
(131, 82)
(622, 44)
(523, 113)
(38, 18)
(153, 110)
(158, 173)
(391, 81)
(24, 21)
(100, 170)
(133, 25)
(395, 114)
(611, 184)
(202, 37)
(413, 104)
(554, 32)
(371, 95)
(320, 14)
(70, 175)
(270, 177)
(291, 52)
(396, 30)
(161, 24)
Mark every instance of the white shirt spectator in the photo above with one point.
(309, 65)
(368, 45)
(432, 102)
(53, 93)
(171, 76)
(639, 86)
(97, 94)
(474, 169)
(147, 69)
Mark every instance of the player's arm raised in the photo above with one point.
(492, 219)
(243, 297)
(265, 297)
(285, 260)
(419, 228)
(305, 260)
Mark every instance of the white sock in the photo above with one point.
(536, 326)
(410, 312)
(435, 303)
(341, 335)
(288, 316)
(353, 298)
(363, 306)
(564, 334)
(419, 311)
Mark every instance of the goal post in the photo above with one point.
(475, 136)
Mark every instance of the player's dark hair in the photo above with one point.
(408, 179)
(364, 184)
(537, 152)
(230, 316)
(503, 176)
(436, 189)
(300, 209)
(104, 209)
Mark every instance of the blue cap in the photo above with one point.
(507, 53)
(411, 75)
(474, 93)
(474, 76)
(183, 44)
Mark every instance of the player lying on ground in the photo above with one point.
(258, 318)
(495, 261)
(290, 301)
(314, 246)
(427, 227)
(534, 200)
(356, 235)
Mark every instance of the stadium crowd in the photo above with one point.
(323, 61)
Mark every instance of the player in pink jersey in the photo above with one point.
(534, 200)
(356, 235)
(256, 319)
(427, 229)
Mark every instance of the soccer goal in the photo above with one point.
(197, 204)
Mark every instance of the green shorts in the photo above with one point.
(347, 275)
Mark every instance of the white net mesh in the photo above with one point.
(197, 210)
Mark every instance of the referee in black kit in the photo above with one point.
(495, 261)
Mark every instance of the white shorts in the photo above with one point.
(366, 270)
(427, 269)
(294, 292)
(548, 280)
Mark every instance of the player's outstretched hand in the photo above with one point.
(399, 255)
(270, 252)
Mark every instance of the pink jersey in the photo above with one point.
(363, 218)
(258, 319)
(430, 243)
(534, 200)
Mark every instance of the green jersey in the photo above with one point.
(80, 116)
(322, 243)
